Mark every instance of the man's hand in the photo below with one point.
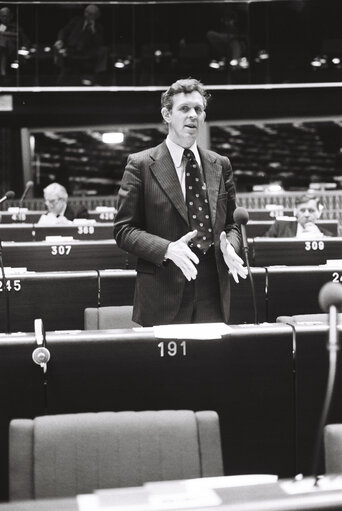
(183, 257)
(310, 229)
(232, 260)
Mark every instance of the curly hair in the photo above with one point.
(186, 85)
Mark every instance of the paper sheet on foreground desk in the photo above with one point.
(173, 496)
(192, 331)
(168, 495)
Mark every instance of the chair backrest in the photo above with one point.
(308, 318)
(116, 316)
(65, 455)
(333, 448)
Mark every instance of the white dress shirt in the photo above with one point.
(176, 152)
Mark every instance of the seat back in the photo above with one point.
(333, 448)
(98, 318)
(65, 455)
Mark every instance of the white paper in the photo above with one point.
(231, 481)
(192, 331)
(151, 497)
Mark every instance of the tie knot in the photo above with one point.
(189, 154)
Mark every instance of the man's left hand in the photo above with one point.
(232, 260)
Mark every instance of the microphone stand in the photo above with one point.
(6, 293)
(332, 347)
(246, 253)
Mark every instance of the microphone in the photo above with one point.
(241, 218)
(29, 185)
(8, 195)
(41, 355)
(330, 299)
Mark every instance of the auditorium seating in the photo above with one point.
(293, 153)
(280, 291)
(258, 378)
(246, 376)
(119, 316)
(65, 455)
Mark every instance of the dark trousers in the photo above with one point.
(201, 297)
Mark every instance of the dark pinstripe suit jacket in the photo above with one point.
(152, 212)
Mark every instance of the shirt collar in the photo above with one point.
(177, 151)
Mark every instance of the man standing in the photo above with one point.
(175, 213)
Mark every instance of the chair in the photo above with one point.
(316, 319)
(116, 316)
(333, 448)
(65, 455)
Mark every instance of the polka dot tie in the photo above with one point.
(197, 203)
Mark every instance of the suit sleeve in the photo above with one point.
(130, 231)
(273, 231)
(232, 229)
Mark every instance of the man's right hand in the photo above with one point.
(183, 257)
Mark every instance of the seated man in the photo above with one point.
(303, 224)
(80, 50)
(59, 212)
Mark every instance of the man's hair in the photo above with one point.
(186, 85)
(306, 198)
(58, 190)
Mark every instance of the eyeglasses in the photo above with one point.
(52, 201)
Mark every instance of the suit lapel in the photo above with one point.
(291, 229)
(164, 171)
(212, 173)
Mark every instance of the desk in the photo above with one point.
(7, 217)
(247, 377)
(59, 298)
(294, 289)
(65, 255)
(95, 231)
(293, 251)
(261, 497)
(311, 379)
(16, 232)
(256, 228)
(265, 214)
(34, 232)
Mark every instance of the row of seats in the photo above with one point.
(279, 290)
(295, 153)
(104, 230)
(71, 454)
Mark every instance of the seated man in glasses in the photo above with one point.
(303, 224)
(59, 212)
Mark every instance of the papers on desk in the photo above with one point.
(9, 270)
(58, 239)
(192, 331)
(168, 495)
(334, 263)
(156, 496)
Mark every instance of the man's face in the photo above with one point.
(307, 212)
(54, 203)
(185, 118)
